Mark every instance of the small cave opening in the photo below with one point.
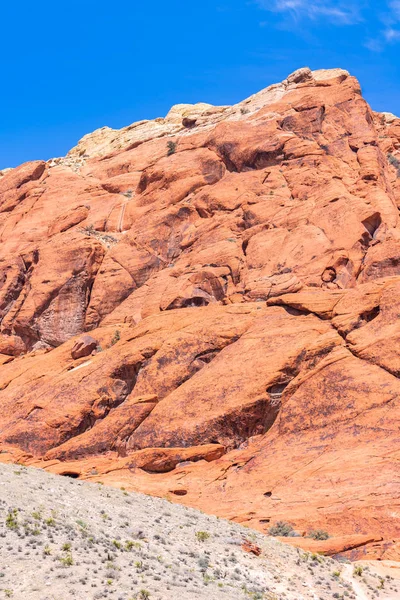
(189, 123)
(196, 301)
(371, 314)
(70, 474)
(368, 316)
(372, 223)
(203, 213)
(206, 357)
(225, 151)
(295, 312)
(193, 302)
(276, 390)
(329, 275)
(179, 492)
(268, 494)
(125, 377)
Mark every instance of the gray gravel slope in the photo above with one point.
(61, 539)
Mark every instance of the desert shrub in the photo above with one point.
(203, 563)
(11, 519)
(81, 524)
(171, 148)
(318, 534)
(67, 560)
(116, 337)
(129, 545)
(281, 529)
(202, 536)
(395, 162)
(316, 558)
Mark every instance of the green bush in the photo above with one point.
(202, 536)
(171, 148)
(115, 338)
(67, 560)
(395, 162)
(11, 519)
(281, 529)
(318, 534)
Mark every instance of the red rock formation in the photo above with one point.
(83, 347)
(238, 269)
(248, 546)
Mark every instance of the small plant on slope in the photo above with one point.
(171, 148)
(318, 534)
(202, 536)
(281, 529)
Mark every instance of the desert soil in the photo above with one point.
(61, 538)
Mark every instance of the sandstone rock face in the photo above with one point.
(238, 269)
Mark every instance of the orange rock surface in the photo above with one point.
(238, 269)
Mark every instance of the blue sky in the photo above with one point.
(70, 67)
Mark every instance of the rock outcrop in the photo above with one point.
(83, 347)
(238, 269)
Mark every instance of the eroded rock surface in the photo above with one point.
(239, 270)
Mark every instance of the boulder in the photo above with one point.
(83, 347)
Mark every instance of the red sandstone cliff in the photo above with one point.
(238, 269)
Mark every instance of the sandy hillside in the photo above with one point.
(62, 538)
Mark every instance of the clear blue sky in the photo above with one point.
(70, 67)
